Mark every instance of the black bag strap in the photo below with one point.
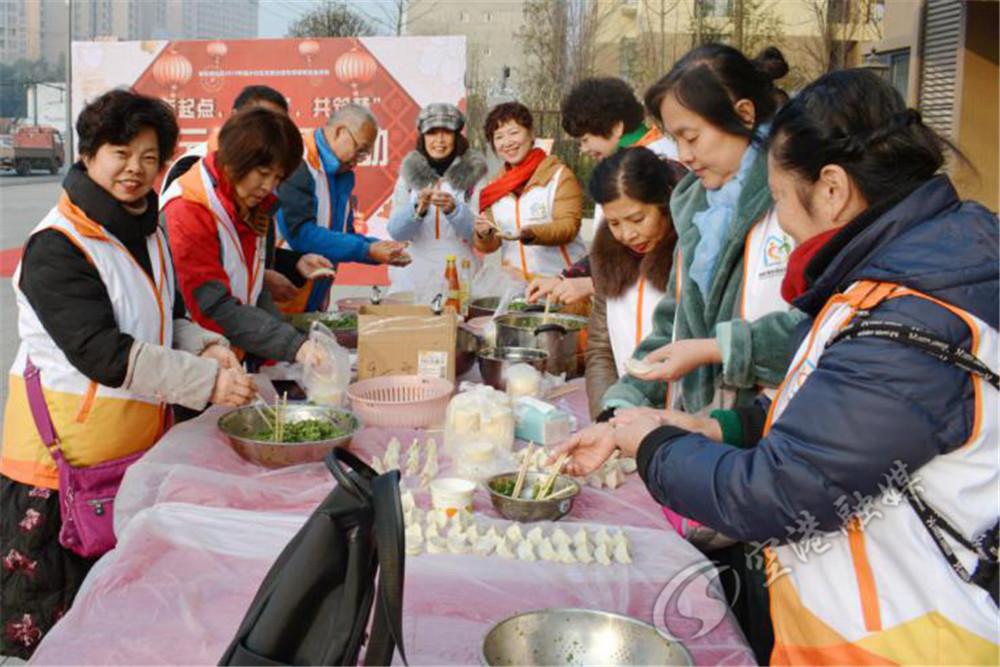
(985, 546)
(333, 463)
(387, 626)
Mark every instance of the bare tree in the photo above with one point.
(331, 19)
(748, 25)
(841, 24)
(392, 16)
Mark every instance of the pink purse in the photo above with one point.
(86, 495)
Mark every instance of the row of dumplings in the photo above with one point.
(391, 460)
(611, 475)
(434, 532)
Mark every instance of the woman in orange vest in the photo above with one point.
(219, 216)
(97, 368)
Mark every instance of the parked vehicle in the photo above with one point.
(32, 147)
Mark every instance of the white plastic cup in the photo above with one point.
(452, 494)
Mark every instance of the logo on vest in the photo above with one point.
(776, 251)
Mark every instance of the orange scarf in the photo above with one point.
(512, 179)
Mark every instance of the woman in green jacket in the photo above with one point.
(722, 332)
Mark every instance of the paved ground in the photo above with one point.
(24, 201)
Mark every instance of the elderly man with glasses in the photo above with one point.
(316, 213)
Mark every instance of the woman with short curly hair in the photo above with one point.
(98, 317)
(531, 211)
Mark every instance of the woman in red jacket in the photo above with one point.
(219, 217)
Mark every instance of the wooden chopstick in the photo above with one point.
(522, 473)
(553, 473)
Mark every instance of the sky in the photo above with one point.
(274, 16)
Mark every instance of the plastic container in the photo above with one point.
(401, 401)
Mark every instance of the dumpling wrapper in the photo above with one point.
(638, 367)
(627, 465)
(565, 554)
(535, 535)
(602, 537)
(513, 534)
(583, 554)
(526, 551)
(613, 478)
(602, 554)
(580, 538)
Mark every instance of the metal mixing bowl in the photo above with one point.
(517, 509)
(242, 424)
(579, 637)
(494, 362)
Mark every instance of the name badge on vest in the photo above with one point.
(774, 259)
(539, 211)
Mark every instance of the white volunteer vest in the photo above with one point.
(246, 280)
(630, 319)
(434, 240)
(885, 586)
(199, 150)
(534, 207)
(143, 307)
(765, 260)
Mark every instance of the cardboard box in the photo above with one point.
(406, 340)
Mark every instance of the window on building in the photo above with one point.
(838, 11)
(899, 71)
(488, 17)
(463, 17)
(716, 7)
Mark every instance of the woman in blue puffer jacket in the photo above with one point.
(870, 483)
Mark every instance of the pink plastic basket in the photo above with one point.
(403, 401)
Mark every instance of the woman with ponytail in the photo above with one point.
(869, 483)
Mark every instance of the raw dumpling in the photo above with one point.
(618, 537)
(413, 459)
(638, 367)
(432, 450)
(485, 546)
(457, 519)
(602, 537)
(414, 540)
(613, 478)
(407, 501)
(472, 534)
(525, 551)
(547, 552)
(513, 534)
(627, 466)
(504, 549)
(416, 515)
(621, 552)
(436, 545)
(458, 545)
(580, 538)
(455, 532)
(535, 535)
(560, 538)
(377, 465)
(438, 518)
(595, 480)
(564, 554)
(492, 533)
(429, 472)
(602, 554)
(391, 460)
(583, 554)
(431, 531)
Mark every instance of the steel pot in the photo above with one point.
(487, 305)
(563, 337)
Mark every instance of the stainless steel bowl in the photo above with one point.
(242, 424)
(467, 345)
(579, 637)
(562, 336)
(494, 362)
(487, 305)
(519, 509)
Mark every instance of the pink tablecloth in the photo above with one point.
(198, 528)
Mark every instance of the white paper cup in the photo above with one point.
(452, 494)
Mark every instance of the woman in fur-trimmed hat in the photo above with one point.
(436, 196)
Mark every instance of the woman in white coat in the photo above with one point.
(436, 197)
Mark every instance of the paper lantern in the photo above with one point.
(172, 71)
(356, 67)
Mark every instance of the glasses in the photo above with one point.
(361, 152)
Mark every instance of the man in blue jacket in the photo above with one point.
(316, 212)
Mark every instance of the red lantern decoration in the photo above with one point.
(172, 71)
(308, 49)
(356, 67)
(217, 50)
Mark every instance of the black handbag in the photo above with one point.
(316, 601)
